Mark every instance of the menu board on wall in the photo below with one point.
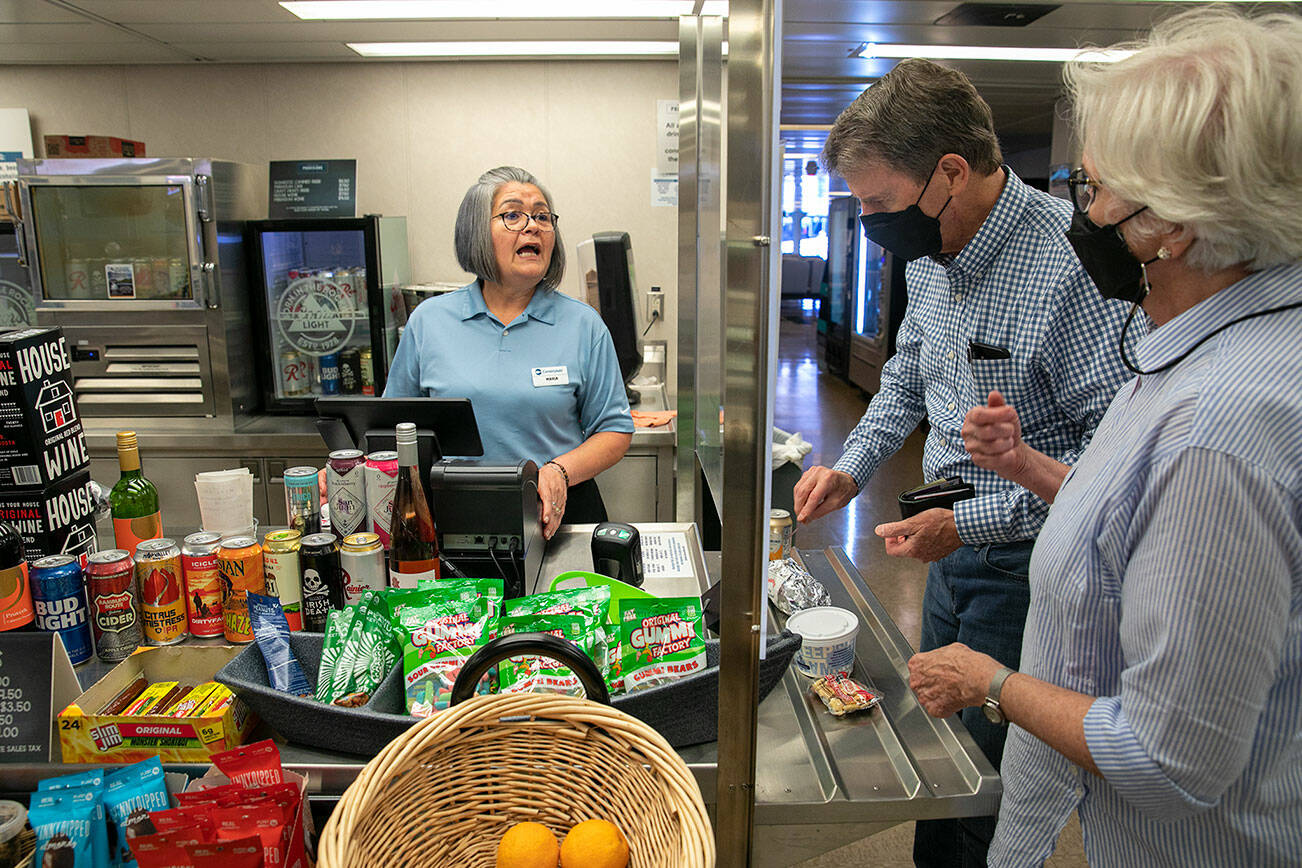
(312, 188)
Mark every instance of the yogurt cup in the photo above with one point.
(827, 640)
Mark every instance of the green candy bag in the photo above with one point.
(338, 623)
(357, 644)
(541, 674)
(491, 590)
(438, 639)
(663, 640)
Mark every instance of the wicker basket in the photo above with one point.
(444, 792)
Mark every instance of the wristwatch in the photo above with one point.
(990, 708)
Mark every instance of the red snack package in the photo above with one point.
(254, 765)
(244, 853)
(268, 823)
(165, 849)
(199, 816)
(224, 796)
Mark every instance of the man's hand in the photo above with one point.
(822, 490)
(951, 678)
(928, 536)
(992, 435)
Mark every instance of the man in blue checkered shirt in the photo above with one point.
(997, 302)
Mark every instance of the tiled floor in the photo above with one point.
(823, 409)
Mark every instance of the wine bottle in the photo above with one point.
(16, 612)
(413, 545)
(134, 500)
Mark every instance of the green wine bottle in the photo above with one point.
(134, 500)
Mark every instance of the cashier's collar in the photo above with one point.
(542, 307)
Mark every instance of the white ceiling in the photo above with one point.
(820, 73)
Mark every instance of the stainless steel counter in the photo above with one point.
(821, 781)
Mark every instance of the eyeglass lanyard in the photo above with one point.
(1121, 343)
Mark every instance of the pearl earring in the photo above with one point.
(1163, 253)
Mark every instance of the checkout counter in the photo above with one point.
(821, 782)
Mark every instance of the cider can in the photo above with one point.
(114, 604)
(281, 571)
(203, 584)
(381, 483)
(162, 603)
(239, 562)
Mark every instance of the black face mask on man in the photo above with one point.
(909, 234)
(1116, 271)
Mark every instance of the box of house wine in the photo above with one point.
(56, 520)
(41, 440)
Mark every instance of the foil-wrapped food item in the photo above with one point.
(792, 588)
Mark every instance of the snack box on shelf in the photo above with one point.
(86, 736)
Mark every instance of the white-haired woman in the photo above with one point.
(538, 366)
(1161, 682)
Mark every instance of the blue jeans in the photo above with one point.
(978, 596)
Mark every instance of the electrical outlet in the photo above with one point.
(655, 306)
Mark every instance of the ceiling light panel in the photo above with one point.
(359, 10)
(993, 52)
(591, 48)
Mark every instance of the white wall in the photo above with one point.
(420, 132)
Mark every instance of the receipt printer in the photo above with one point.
(617, 552)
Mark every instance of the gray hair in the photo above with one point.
(473, 235)
(910, 118)
(1203, 126)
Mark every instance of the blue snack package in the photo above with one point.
(130, 794)
(92, 781)
(271, 631)
(64, 821)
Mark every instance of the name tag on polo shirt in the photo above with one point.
(556, 375)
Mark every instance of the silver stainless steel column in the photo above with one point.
(750, 318)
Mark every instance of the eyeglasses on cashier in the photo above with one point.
(1084, 189)
(515, 221)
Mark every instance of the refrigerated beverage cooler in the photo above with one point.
(328, 305)
(16, 307)
(141, 261)
(866, 300)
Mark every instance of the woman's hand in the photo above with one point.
(951, 678)
(552, 493)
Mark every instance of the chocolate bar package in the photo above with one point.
(41, 439)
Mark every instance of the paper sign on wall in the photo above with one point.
(664, 190)
(667, 136)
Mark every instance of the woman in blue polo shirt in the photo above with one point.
(538, 367)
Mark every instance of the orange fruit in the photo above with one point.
(594, 844)
(528, 845)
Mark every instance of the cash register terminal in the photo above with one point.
(486, 514)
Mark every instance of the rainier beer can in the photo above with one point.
(158, 576)
(239, 561)
(346, 491)
(362, 559)
(114, 605)
(303, 499)
(281, 570)
(59, 594)
(323, 580)
(295, 375)
(381, 481)
(203, 583)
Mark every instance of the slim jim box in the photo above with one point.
(56, 520)
(87, 736)
(41, 441)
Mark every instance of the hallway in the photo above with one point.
(823, 409)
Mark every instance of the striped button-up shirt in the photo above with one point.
(1168, 583)
(1016, 285)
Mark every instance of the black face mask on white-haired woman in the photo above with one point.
(1116, 271)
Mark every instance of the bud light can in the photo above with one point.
(59, 595)
(329, 366)
(114, 605)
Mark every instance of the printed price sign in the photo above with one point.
(312, 188)
(36, 683)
